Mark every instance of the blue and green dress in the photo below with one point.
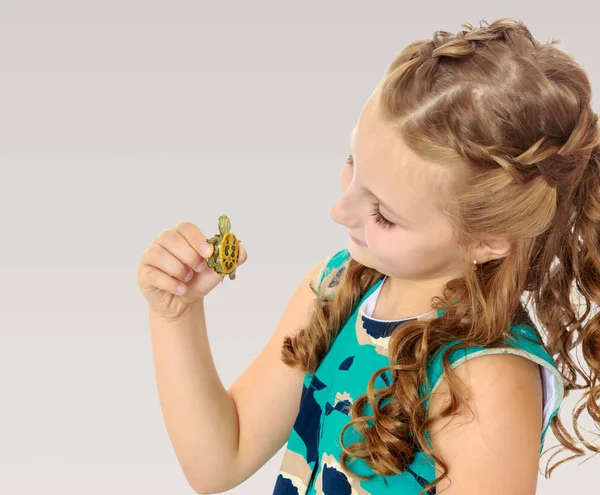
(310, 465)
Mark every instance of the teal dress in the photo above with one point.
(310, 464)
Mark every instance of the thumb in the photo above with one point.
(243, 254)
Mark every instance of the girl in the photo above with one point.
(478, 149)
(473, 179)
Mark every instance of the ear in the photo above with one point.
(491, 249)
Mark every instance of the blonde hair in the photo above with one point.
(509, 120)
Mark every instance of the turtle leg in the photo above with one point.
(215, 266)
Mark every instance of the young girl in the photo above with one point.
(473, 179)
(473, 166)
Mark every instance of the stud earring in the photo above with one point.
(474, 264)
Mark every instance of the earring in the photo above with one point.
(474, 264)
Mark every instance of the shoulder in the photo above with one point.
(332, 269)
(498, 432)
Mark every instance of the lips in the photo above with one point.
(357, 241)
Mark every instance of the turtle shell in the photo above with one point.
(228, 252)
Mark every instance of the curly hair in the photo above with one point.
(511, 118)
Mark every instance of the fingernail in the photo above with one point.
(189, 276)
(201, 266)
(204, 249)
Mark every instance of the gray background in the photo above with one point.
(115, 118)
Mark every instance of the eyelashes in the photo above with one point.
(379, 218)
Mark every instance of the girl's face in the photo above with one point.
(387, 204)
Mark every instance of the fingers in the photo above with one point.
(155, 277)
(196, 239)
(173, 251)
(179, 250)
(158, 256)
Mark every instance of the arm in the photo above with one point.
(221, 437)
(495, 450)
(199, 414)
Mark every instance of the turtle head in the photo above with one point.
(224, 224)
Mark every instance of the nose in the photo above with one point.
(342, 213)
(335, 214)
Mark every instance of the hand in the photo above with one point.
(175, 258)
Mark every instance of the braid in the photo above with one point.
(465, 42)
(587, 200)
(560, 162)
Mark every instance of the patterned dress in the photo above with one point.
(310, 465)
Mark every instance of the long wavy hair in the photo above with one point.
(511, 120)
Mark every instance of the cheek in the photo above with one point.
(395, 245)
(384, 243)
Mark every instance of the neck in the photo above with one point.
(413, 302)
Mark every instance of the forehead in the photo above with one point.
(383, 154)
(399, 177)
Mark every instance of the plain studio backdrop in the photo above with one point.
(123, 118)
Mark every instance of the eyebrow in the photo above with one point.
(404, 219)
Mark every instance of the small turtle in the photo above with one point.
(226, 250)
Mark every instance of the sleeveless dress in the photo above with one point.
(310, 464)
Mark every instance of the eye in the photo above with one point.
(380, 219)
